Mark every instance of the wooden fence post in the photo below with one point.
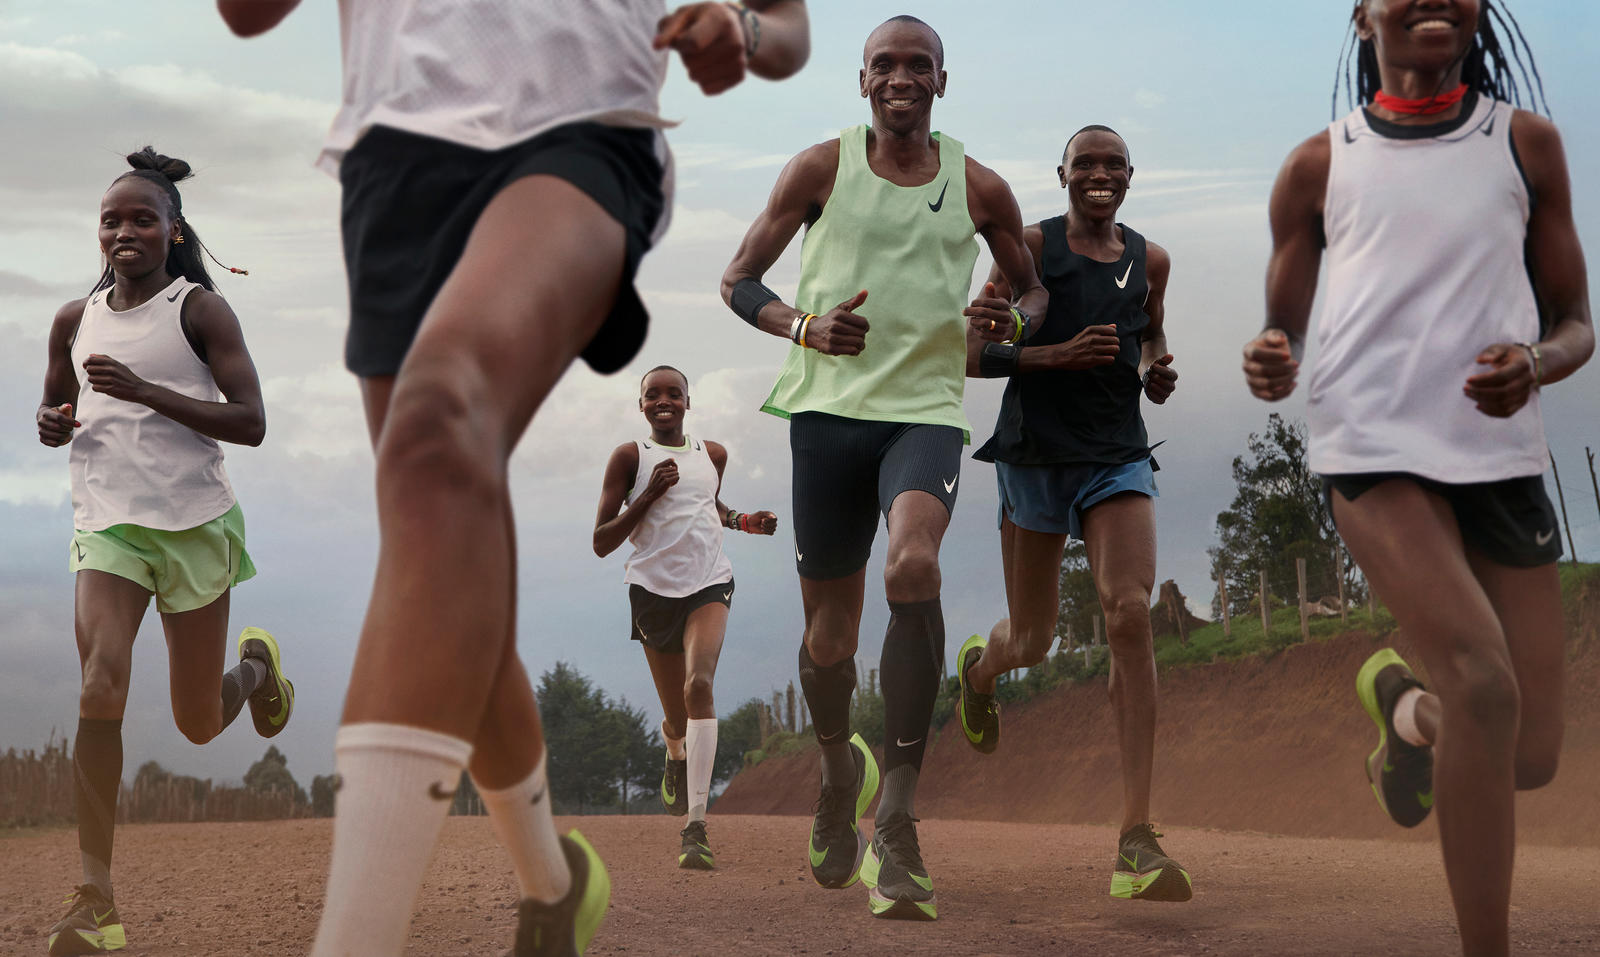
(1222, 598)
(1266, 611)
(1300, 576)
(1338, 571)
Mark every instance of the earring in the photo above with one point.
(178, 239)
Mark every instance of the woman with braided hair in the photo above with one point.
(146, 375)
(1456, 289)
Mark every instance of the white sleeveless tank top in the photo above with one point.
(130, 464)
(677, 546)
(489, 74)
(1425, 269)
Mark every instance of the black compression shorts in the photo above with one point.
(1511, 521)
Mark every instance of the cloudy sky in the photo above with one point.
(1209, 98)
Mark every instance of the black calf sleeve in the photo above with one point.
(909, 672)
(827, 690)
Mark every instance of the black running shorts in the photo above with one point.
(1511, 521)
(659, 622)
(849, 471)
(411, 201)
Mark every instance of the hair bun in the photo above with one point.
(172, 168)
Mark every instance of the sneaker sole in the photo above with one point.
(1367, 691)
(976, 740)
(262, 641)
(69, 943)
(596, 895)
(695, 862)
(1163, 884)
(901, 908)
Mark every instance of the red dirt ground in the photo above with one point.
(202, 889)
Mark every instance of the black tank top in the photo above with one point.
(1060, 416)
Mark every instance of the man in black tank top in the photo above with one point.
(1072, 458)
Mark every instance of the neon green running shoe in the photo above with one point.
(837, 844)
(980, 714)
(90, 927)
(273, 702)
(1401, 774)
(565, 928)
(898, 883)
(695, 854)
(1143, 870)
(675, 787)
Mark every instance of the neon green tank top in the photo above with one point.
(912, 248)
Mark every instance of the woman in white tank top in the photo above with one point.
(1456, 289)
(680, 583)
(146, 376)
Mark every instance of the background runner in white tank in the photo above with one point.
(680, 584)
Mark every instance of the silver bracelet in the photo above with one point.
(750, 26)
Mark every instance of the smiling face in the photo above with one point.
(1095, 173)
(136, 227)
(1424, 35)
(664, 398)
(902, 73)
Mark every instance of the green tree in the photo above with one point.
(322, 792)
(1278, 515)
(271, 773)
(737, 733)
(637, 748)
(579, 738)
(1079, 601)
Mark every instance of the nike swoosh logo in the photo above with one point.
(1131, 862)
(940, 204)
(1544, 539)
(642, 635)
(1488, 128)
(1347, 137)
(727, 595)
(825, 738)
(798, 556)
(1123, 282)
(80, 550)
(926, 883)
(950, 486)
(438, 793)
(99, 918)
(174, 296)
(817, 857)
(903, 743)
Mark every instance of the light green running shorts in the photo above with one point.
(186, 569)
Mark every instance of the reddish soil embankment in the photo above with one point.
(1272, 744)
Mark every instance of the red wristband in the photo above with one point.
(744, 522)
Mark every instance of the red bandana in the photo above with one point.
(1422, 107)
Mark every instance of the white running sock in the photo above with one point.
(675, 746)
(395, 786)
(521, 818)
(1405, 717)
(702, 740)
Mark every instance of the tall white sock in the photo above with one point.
(702, 745)
(396, 783)
(1405, 717)
(521, 818)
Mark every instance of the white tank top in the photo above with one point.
(677, 546)
(129, 463)
(1425, 269)
(491, 73)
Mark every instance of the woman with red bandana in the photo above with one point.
(1456, 289)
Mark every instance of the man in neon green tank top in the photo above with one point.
(872, 389)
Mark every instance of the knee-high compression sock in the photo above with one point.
(238, 684)
(396, 784)
(909, 673)
(521, 818)
(97, 776)
(827, 690)
(702, 746)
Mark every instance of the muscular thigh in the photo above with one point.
(1119, 535)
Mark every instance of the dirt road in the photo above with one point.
(206, 889)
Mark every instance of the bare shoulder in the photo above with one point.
(203, 307)
(1307, 163)
(983, 180)
(1539, 149)
(819, 162)
(65, 324)
(718, 453)
(625, 455)
(1033, 235)
(1158, 262)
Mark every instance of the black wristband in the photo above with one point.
(998, 360)
(748, 298)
